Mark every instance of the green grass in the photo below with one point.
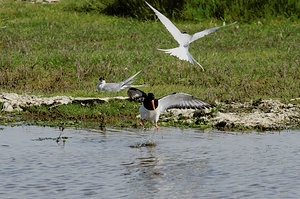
(49, 50)
(242, 10)
(115, 113)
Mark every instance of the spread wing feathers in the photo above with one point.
(181, 100)
(203, 33)
(128, 81)
(136, 94)
(191, 57)
(168, 24)
(182, 53)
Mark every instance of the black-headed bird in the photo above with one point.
(151, 108)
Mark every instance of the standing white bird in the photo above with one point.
(183, 39)
(116, 87)
(151, 108)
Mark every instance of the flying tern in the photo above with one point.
(183, 39)
(151, 108)
(115, 87)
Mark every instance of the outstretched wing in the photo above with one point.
(169, 25)
(136, 94)
(203, 33)
(181, 100)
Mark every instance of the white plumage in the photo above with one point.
(116, 87)
(183, 39)
(152, 108)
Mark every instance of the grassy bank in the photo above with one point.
(48, 50)
(118, 113)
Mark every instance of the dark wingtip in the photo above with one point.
(136, 94)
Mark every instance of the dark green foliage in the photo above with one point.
(228, 10)
(131, 8)
(242, 10)
(139, 9)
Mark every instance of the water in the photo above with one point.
(183, 164)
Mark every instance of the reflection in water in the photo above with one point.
(153, 174)
(122, 164)
(144, 172)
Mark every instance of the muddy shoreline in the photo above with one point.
(259, 115)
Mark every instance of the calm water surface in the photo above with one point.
(184, 164)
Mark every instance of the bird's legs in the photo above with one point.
(141, 123)
(157, 127)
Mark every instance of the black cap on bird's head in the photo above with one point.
(150, 96)
(150, 102)
(101, 79)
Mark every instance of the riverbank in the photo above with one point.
(259, 115)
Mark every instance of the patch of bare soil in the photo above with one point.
(262, 115)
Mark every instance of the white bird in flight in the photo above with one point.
(151, 108)
(183, 39)
(116, 87)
